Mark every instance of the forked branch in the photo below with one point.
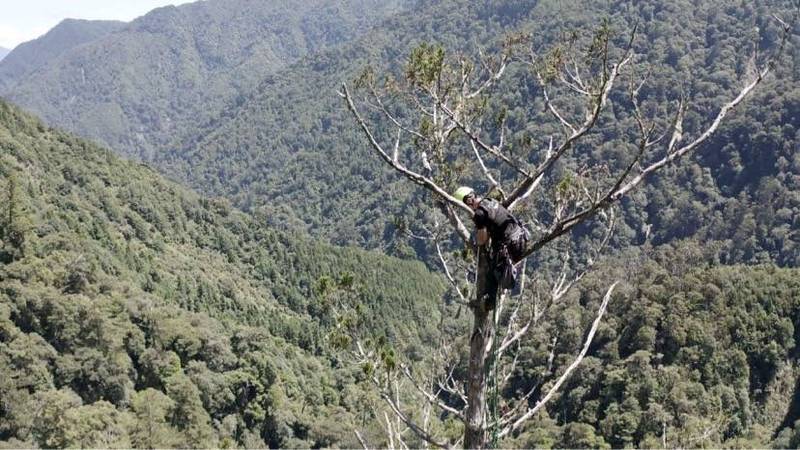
(575, 363)
(624, 186)
(413, 176)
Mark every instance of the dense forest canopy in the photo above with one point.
(288, 144)
(148, 316)
(279, 139)
(688, 357)
(136, 313)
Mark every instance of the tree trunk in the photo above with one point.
(475, 431)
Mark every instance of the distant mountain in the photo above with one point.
(118, 285)
(257, 119)
(68, 34)
(140, 87)
(292, 146)
(3, 52)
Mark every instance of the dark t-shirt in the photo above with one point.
(495, 218)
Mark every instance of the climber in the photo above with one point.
(508, 239)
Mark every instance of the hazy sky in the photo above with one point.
(23, 20)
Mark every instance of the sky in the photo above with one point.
(24, 20)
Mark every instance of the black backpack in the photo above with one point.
(506, 270)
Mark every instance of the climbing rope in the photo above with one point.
(493, 379)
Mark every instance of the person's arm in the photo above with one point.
(482, 236)
(481, 232)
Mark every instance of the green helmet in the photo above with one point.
(462, 192)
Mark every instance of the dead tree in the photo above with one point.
(438, 125)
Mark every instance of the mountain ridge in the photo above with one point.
(30, 56)
(286, 127)
(178, 64)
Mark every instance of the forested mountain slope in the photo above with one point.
(292, 144)
(688, 357)
(136, 313)
(68, 34)
(242, 120)
(175, 67)
(3, 52)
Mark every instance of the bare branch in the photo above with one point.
(393, 401)
(673, 155)
(575, 85)
(534, 184)
(493, 78)
(411, 175)
(361, 440)
(390, 116)
(677, 126)
(587, 343)
(410, 423)
(550, 107)
(592, 116)
(448, 274)
(432, 399)
(450, 387)
(509, 371)
(491, 149)
(485, 170)
(389, 431)
(510, 340)
(552, 356)
(455, 221)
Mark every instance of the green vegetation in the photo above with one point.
(30, 56)
(707, 356)
(252, 120)
(296, 147)
(159, 77)
(136, 313)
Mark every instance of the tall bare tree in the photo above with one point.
(442, 123)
